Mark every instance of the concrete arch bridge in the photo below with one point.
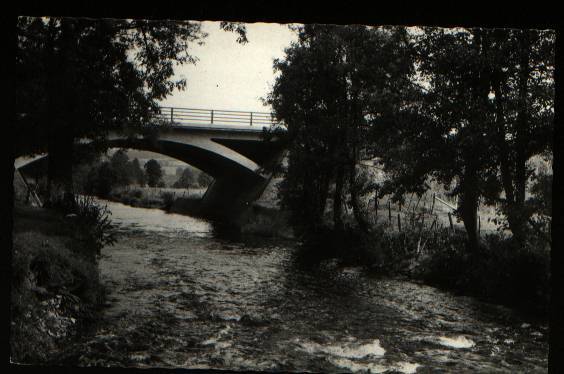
(230, 146)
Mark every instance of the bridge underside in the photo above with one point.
(235, 186)
(235, 164)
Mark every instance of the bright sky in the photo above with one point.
(229, 75)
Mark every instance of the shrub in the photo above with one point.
(93, 223)
(90, 223)
(136, 193)
(168, 199)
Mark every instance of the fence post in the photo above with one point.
(433, 206)
(390, 211)
(376, 207)
(479, 224)
(450, 221)
(212, 117)
(171, 115)
(399, 223)
(251, 118)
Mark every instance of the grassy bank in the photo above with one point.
(500, 272)
(55, 284)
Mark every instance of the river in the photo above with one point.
(182, 295)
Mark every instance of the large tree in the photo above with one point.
(83, 77)
(328, 80)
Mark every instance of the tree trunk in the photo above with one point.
(357, 211)
(519, 217)
(338, 199)
(60, 103)
(469, 206)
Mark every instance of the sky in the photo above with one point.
(228, 75)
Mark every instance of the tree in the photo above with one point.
(481, 147)
(120, 164)
(101, 180)
(522, 81)
(328, 82)
(83, 77)
(137, 173)
(186, 179)
(204, 179)
(154, 172)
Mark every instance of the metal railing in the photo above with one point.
(208, 117)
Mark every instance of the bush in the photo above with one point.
(48, 262)
(90, 223)
(93, 223)
(501, 271)
(168, 199)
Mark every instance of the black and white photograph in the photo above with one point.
(281, 197)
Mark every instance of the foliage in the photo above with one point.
(504, 77)
(101, 180)
(185, 180)
(45, 265)
(81, 77)
(511, 274)
(153, 172)
(327, 81)
(168, 199)
(137, 173)
(119, 163)
(94, 229)
(90, 223)
(204, 179)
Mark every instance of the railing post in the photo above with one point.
(212, 117)
(251, 118)
(171, 115)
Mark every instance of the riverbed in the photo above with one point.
(182, 295)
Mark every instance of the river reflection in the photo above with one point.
(181, 295)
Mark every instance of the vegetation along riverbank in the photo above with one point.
(56, 290)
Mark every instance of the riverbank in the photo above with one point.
(259, 220)
(55, 286)
(500, 272)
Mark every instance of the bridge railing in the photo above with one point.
(191, 116)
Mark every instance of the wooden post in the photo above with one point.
(251, 118)
(171, 115)
(390, 211)
(376, 208)
(433, 206)
(479, 224)
(450, 221)
(212, 116)
(399, 223)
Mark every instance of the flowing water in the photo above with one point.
(182, 295)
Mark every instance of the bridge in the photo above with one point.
(228, 145)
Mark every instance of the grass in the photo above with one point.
(55, 285)
(266, 221)
(173, 199)
(501, 271)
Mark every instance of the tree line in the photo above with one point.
(101, 177)
(467, 108)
